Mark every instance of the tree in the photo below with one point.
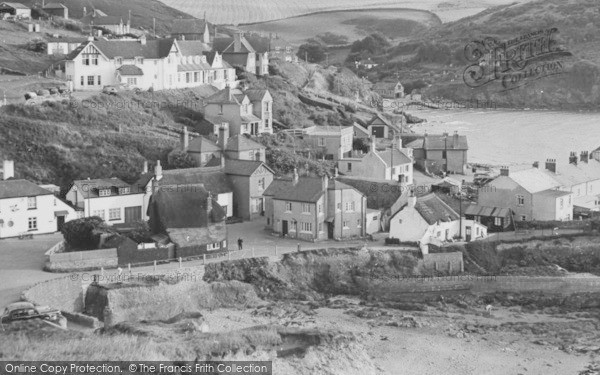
(180, 160)
(140, 232)
(313, 52)
(84, 233)
(360, 144)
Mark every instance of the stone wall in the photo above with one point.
(82, 260)
(451, 263)
(64, 293)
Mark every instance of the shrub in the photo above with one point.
(140, 233)
(84, 233)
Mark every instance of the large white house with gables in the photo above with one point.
(159, 64)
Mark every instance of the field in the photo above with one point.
(394, 23)
(237, 12)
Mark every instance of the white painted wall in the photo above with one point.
(15, 211)
(226, 199)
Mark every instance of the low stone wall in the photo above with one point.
(451, 263)
(63, 293)
(82, 260)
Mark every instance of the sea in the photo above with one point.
(515, 138)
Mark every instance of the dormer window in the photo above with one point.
(124, 190)
(139, 60)
(104, 192)
(119, 60)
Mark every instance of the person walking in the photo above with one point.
(240, 243)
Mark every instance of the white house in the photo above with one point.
(64, 45)
(429, 220)
(26, 208)
(158, 64)
(112, 199)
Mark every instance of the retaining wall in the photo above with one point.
(451, 263)
(82, 260)
(63, 293)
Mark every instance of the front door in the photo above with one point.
(468, 234)
(133, 214)
(284, 227)
(330, 227)
(60, 221)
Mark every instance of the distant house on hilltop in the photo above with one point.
(190, 29)
(99, 19)
(64, 45)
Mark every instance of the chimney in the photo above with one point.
(84, 11)
(335, 172)
(222, 161)
(399, 142)
(584, 156)
(8, 168)
(295, 177)
(145, 167)
(373, 144)
(143, 40)
(504, 171)
(237, 41)
(536, 164)
(573, 158)
(158, 171)
(185, 138)
(412, 201)
(325, 182)
(551, 165)
(215, 33)
(223, 135)
(455, 139)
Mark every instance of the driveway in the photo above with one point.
(21, 263)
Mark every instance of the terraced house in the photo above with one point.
(144, 64)
(313, 209)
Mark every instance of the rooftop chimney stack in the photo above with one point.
(551, 165)
(335, 172)
(8, 168)
(504, 171)
(143, 40)
(573, 158)
(584, 156)
(412, 201)
(185, 138)
(145, 167)
(237, 41)
(373, 143)
(295, 177)
(158, 171)
(325, 182)
(223, 135)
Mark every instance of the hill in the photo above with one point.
(438, 56)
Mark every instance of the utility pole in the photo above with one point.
(154, 26)
(305, 56)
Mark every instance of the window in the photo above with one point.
(306, 227)
(320, 208)
(477, 218)
(320, 227)
(114, 214)
(188, 77)
(523, 217)
(213, 246)
(443, 154)
(352, 206)
(345, 224)
(124, 190)
(266, 123)
(305, 208)
(358, 223)
(99, 213)
(261, 184)
(94, 59)
(562, 203)
(139, 60)
(520, 200)
(99, 80)
(90, 80)
(339, 207)
(132, 81)
(220, 109)
(119, 60)
(86, 59)
(32, 223)
(349, 167)
(438, 234)
(375, 217)
(82, 80)
(196, 76)
(251, 155)
(321, 141)
(31, 203)
(104, 192)
(288, 206)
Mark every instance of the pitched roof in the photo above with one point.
(15, 5)
(384, 85)
(54, 6)
(256, 95)
(90, 188)
(445, 142)
(130, 70)
(144, 179)
(393, 157)
(213, 181)
(243, 167)
(381, 118)
(259, 44)
(179, 208)
(20, 188)
(226, 45)
(570, 174)
(66, 39)
(533, 180)
(129, 49)
(433, 209)
(100, 20)
(188, 26)
(477, 210)
(225, 96)
(552, 193)
(307, 189)
(192, 47)
(235, 59)
(325, 130)
(334, 184)
(242, 142)
(202, 144)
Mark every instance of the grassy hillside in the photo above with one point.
(142, 11)
(437, 57)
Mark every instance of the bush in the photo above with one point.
(140, 233)
(84, 233)
(313, 52)
(180, 160)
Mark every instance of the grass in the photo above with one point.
(240, 12)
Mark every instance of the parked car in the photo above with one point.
(111, 90)
(26, 310)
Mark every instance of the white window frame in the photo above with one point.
(31, 203)
(288, 206)
(306, 227)
(99, 213)
(520, 200)
(124, 190)
(32, 223)
(114, 214)
(104, 193)
(306, 208)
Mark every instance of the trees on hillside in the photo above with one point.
(312, 52)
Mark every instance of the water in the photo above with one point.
(516, 138)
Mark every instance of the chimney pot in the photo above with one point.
(185, 138)
(8, 167)
(373, 143)
(158, 170)
(295, 177)
(145, 167)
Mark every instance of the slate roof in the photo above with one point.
(337, 185)
(225, 96)
(214, 181)
(570, 174)
(235, 59)
(249, 118)
(243, 167)
(188, 26)
(15, 5)
(192, 67)
(202, 144)
(533, 180)
(242, 143)
(394, 157)
(192, 47)
(552, 193)
(441, 142)
(256, 95)
(67, 40)
(226, 45)
(130, 70)
(433, 209)
(89, 188)
(20, 188)
(380, 117)
(54, 6)
(184, 209)
(477, 210)
(144, 179)
(129, 49)
(325, 130)
(259, 44)
(307, 189)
